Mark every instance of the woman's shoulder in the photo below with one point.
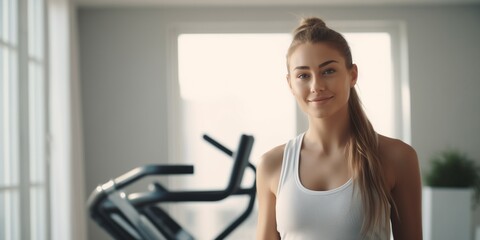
(272, 159)
(395, 149)
(398, 157)
(269, 167)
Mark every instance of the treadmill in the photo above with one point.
(141, 216)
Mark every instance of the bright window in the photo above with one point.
(373, 55)
(230, 84)
(23, 182)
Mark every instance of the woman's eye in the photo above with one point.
(302, 76)
(329, 71)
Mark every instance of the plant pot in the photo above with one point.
(447, 213)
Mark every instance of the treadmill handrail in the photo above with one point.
(101, 191)
(241, 157)
(146, 198)
(148, 170)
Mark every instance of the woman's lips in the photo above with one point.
(320, 99)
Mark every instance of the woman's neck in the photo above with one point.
(329, 133)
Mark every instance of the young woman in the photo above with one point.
(339, 179)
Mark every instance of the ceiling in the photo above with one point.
(226, 3)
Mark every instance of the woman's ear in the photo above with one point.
(354, 75)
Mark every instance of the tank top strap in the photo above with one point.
(290, 153)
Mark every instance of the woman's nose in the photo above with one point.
(318, 84)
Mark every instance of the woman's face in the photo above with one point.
(319, 79)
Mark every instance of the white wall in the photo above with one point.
(123, 58)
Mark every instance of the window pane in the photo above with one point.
(13, 28)
(9, 214)
(3, 20)
(3, 114)
(8, 17)
(35, 29)
(9, 154)
(36, 122)
(13, 121)
(38, 217)
(375, 78)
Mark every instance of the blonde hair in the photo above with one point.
(362, 149)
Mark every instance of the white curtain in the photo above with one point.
(67, 196)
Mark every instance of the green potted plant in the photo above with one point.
(452, 190)
(454, 169)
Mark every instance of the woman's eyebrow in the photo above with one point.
(326, 63)
(319, 66)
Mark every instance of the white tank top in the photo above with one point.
(305, 214)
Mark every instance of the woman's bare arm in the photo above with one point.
(267, 180)
(406, 193)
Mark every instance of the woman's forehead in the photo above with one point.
(314, 53)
